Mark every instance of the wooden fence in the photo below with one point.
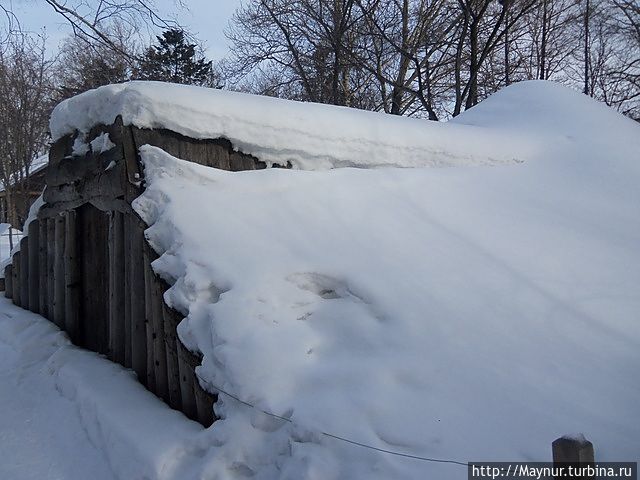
(86, 264)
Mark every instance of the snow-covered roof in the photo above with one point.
(39, 164)
(457, 314)
(309, 136)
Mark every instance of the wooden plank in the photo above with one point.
(92, 231)
(34, 263)
(16, 279)
(127, 292)
(171, 319)
(137, 299)
(42, 280)
(574, 451)
(148, 256)
(8, 281)
(51, 255)
(187, 362)
(58, 272)
(204, 404)
(60, 149)
(24, 272)
(116, 287)
(72, 279)
(101, 203)
(159, 353)
(130, 150)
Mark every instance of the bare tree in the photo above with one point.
(84, 63)
(91, 19)
(25, 103)
(303, 46)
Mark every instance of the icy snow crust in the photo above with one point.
(309, 136)
(460, 313)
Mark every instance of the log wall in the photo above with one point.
(86, 264)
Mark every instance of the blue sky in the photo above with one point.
(207, 19)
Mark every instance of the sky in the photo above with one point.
(207, 19)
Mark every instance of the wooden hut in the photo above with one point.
(86, 265)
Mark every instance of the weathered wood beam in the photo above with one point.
(58, 272)
(159, 347)
(117, 295)
(187, 362)
(137, 298)
(51, 255)
(16, 279)
(8, 281)
(171, 319)
(42, 279)
(148, 256)
(127, 292)
(34, 266)
(72, 279)
(24, 272)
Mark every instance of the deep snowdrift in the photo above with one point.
(461, 313)
(309, 136)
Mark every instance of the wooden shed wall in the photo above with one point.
(86, 264)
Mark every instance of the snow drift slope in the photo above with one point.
(463, 313)
(309, 136)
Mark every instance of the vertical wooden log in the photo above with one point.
(577, 451)
(204, 404)
(159, 354)
(8, 281)
(16, 279)
(137, 299)
(92, 231)
(34, 260)
(51, 234)
(58, 272)
(42, 256)
(171, 319)
(72, 280)
(148, 257)
(127, 291)
(186, 365)
(24, 272)
(116, 287)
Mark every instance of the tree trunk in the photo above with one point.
(587, 14)
(543, 42)
(472, 96)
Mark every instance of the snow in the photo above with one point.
(102, 143)
(460, 313)
(80, 147)
(70, 414)
(309, 136)
(465, 313)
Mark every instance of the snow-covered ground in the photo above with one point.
(466, 313)
(70, 414)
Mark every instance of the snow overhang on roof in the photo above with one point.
(306, 135)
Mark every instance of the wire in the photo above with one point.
(331, 435)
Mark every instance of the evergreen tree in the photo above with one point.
(175, 60)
